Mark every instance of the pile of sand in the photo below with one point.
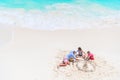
(104, 70)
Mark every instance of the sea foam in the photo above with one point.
(61, 16)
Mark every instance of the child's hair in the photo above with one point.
(88, 51)
(79, 48)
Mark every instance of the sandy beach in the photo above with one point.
(33, 54)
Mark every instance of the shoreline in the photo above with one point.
(60, 18)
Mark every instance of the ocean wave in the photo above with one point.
(61, 16)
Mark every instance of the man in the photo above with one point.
(69, 57)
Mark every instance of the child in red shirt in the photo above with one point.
(90, 56)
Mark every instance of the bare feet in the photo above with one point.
(58, 66)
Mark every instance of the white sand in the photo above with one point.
(30, 54)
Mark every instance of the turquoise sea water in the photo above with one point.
(60, 14)
(113, 4)
(41, 4)
(30, 4)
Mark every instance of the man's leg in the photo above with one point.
(65, 63)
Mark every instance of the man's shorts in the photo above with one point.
(71, 60)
